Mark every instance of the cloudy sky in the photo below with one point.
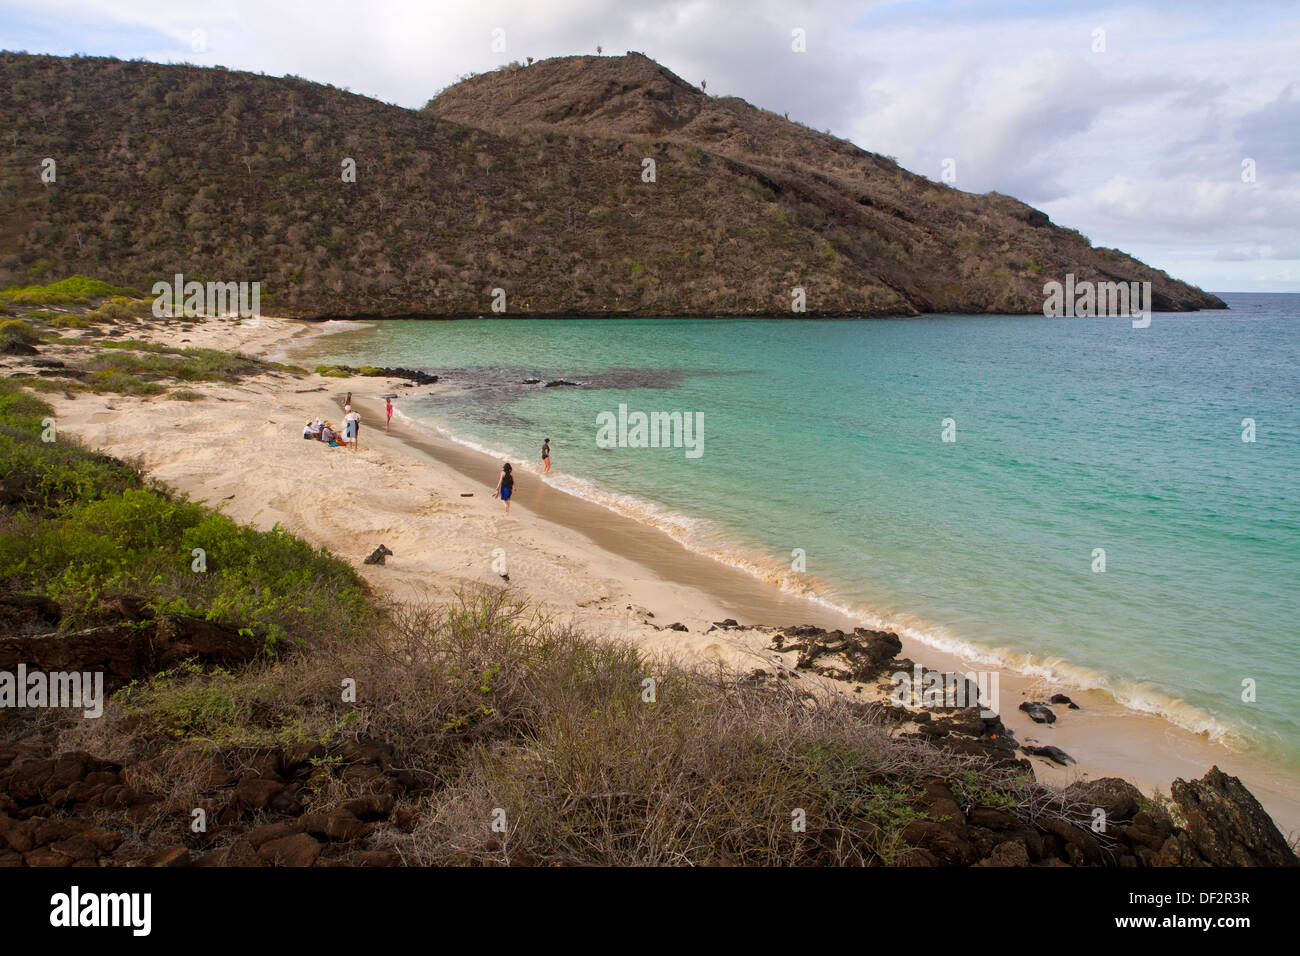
(1170, 130)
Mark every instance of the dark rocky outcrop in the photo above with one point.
(1226, 824)
(412, 375)
(59, 810)
(1120, 799)
(132, 642)
(28, 613)
(861, 656)
(378, 555)
(865, 656)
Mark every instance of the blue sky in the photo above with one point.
(1139, 144)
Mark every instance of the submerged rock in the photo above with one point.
(1054, 754)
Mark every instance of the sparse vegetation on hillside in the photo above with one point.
(548, 205)
(910, 232)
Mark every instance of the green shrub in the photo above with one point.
(152, 362)
(74, 289)
(50, 473)
(64, 385)
(110, 312)
(122, 382)
(89, 526)
(137, 306)
(218, 710)
(67, 320)
(16, 330)
(185, 704)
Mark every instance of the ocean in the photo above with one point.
(1094, 516)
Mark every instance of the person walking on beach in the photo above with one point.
(347, 402)
(352, 426)
(505, 486)
(546, 457)
(389, 409)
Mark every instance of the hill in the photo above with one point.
(528, 179)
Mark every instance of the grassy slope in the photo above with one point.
(82, 528)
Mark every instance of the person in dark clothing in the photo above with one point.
(505, 485)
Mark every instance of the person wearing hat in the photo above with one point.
(352, 428)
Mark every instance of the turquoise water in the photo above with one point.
(1071, 435)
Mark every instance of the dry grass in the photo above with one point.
(512, 720)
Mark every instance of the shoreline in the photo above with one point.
(1088, 734)
(1053, 672)
(574, 558)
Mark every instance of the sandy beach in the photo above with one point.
(428, 500)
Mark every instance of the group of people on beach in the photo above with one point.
(325, 431)
(351, 436)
